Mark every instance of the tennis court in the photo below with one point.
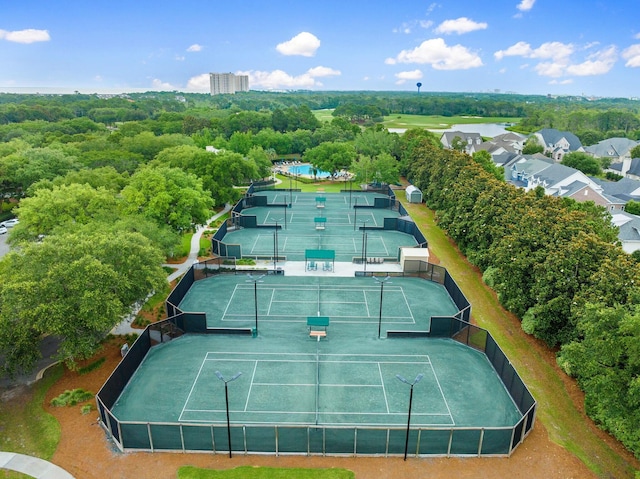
(292, 222)
(230, 301)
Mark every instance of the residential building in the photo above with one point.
(629, 168)
(629, 230)
(470, 140)
(228, 83)
(558, 143)
(615, 149)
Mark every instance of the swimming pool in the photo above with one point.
(305, 169)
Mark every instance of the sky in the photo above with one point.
(558, 47)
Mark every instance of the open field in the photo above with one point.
(431, 122)
(439, 122)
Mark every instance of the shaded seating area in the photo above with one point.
(318, 326)
(327, 257)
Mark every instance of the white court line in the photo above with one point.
(406, 301)
(442, 395)
(384, 391)
(193, 386)
(255, 366)
(271, 301)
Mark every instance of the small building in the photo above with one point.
(414, 195)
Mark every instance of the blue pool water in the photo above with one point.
(305, 169)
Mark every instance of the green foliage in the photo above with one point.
(632, 207)
(635, 152)
(86, 409)
(71, 398)
(583, 162)
(331, 157)
(169, 196)
(252, 472)
(532, 146)
(555, 264)
(92, 366)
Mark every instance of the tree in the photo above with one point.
(331, 157)
(632, 207)
(169, 196)
(458, 144)
(583, 162)
(73, 286)
(50, 209)
(484, 158)
(532, 146)
(372, 142)
(635, 152)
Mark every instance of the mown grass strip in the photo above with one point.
(250, 472)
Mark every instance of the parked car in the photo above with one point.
(3, 230)
(10, 223)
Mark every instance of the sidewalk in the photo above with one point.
(124, 327)
(32, 466)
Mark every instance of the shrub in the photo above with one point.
(71, 398)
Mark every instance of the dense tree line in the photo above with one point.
(554, 263)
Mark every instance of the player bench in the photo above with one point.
(317, 326)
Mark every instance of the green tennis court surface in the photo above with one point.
(319, 221)
(346, 379)
(353, 304)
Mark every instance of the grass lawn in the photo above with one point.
(25, 427)
(439, 122)
(565, 424)
(249, 472)
(328, 186)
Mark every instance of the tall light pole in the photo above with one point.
(364, 243)
(226, 400)
(255, 282)
(295, 168)
(381, 281)
(355, 214)
(275, 245)
(410, 383)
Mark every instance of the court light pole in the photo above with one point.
(355, 215)
(382, 282)
(275, 245)
(226, 400)
(410, 383)
(364, 243)
(255, 282)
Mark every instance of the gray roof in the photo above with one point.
(626, 186)
(611, 147)
(510, 137)
(555, 173)
(532, 166)
(634, 170)
(552, 136)
(629, 226)
(450, 135)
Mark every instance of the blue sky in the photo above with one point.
(522, 46)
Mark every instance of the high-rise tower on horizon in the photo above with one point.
(225, 83)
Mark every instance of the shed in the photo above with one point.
(414, 195)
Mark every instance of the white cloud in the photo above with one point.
(322, 72)
(632, 55)
(555, 50)
(25, 36)
(568, 81)
(278, 79)
(637, 36)
(195, 48)
(519, 49)
(411, 75)
(525, 5)
(460, 25)
(598, 63)
(180, 58)
(439, 55)
(304, 44)
(199, 83)
(162, 86)
(556, 58)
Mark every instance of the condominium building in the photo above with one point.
(222, 83)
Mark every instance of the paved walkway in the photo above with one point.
(32, 466)
(125, 326)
